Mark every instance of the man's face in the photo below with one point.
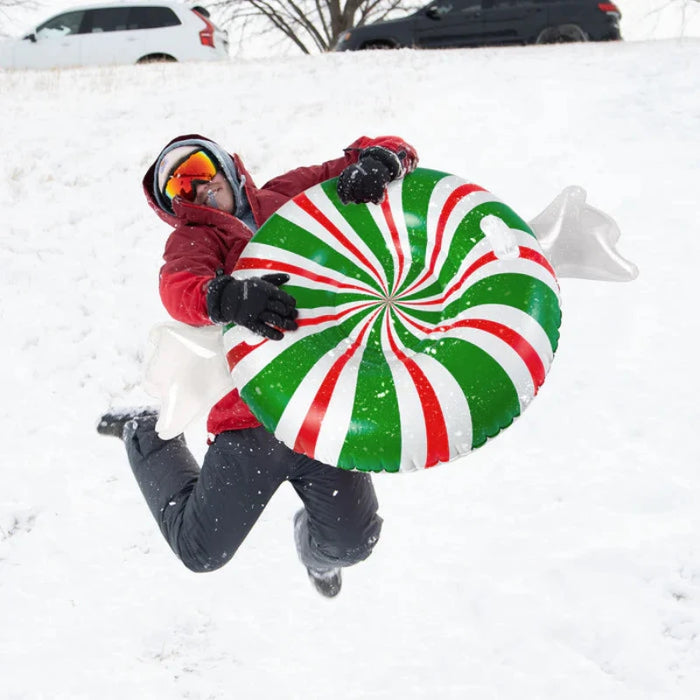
(216, 193)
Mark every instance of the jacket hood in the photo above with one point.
(232, 170)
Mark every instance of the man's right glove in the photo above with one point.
(366, 180)
(256, 303)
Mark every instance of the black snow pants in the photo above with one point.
(206, 514)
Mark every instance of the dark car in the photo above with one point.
(454, 23)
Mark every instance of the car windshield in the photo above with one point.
(62, 25)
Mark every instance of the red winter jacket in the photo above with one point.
(206, 241)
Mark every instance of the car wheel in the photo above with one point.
(157, 58)
(550, 35)
(571, 32)
(562, 34)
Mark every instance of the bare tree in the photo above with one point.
(312, 25)
(683, 5)
(8, 8)
(4, 4)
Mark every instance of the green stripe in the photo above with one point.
(269, 391)
(491, 396)
(360, 220)
(467, 234)
(373, 441)
(417, 190)
(288, 237)
(310, 298)
(523, 292)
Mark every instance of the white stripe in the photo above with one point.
(457, 215)
(454, 405)
(336, 422)
(442, 191)
(496, 267)
(278, 255)
(256, 360)
(318, 197)
(411, 419)
(507, 358)
(519, 321)
(240, 334)
(521, 266)
(518, 265)
(300, 402)
(438, 199)
(395, 201)
(293, 416)
(478, 251)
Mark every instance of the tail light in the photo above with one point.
(206, 36)
(609, 7)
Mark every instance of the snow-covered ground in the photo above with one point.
(562, 560)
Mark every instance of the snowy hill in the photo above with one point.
(562, 560)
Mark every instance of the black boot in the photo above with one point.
(113, 423)
(326, 581)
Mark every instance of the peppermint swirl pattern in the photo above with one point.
(426, 324)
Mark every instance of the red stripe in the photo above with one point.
(327, 318)
(536, 256)
(308, 433)
(524, 254)
(389, 218)
(438, 446)
(238, 352)
(489, 257)
(458, 194)
(310, 208)
(425, 329)
(521, 345)
(527, 353)
(261, 263)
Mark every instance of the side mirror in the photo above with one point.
(31, 37)
(433, 12)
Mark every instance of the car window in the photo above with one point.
(502, 3)
(61, 25)
(107, 19)
(440, 8)
(466, 5)
(152, 17)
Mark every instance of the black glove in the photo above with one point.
(255, 303)
(366, 180)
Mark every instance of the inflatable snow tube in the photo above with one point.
(426, 324)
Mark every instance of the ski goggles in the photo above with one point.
(197, 169)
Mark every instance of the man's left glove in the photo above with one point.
(256, 303)
(366, 180)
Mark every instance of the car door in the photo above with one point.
(54, 44)
(158, 31)
(447, 23)
(106, 37)
(512, 21)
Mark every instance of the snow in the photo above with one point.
(562, 560)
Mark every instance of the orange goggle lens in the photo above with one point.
(197, 169)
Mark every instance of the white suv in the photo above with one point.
(127, 32)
